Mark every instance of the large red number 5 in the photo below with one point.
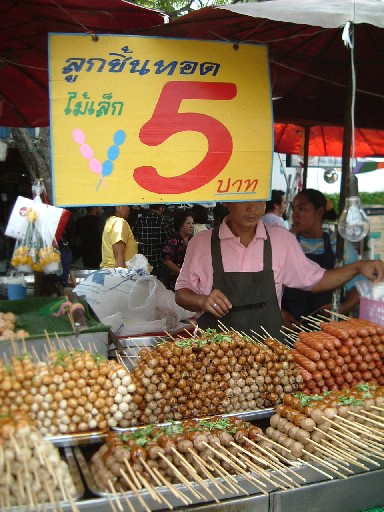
(167, 120)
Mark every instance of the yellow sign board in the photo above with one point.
(148, 120)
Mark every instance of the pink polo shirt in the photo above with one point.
(290, 265)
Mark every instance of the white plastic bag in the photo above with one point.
(131, 300)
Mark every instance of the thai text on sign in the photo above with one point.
(147, 120)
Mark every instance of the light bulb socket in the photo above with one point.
(353, 186)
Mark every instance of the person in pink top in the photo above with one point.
(236, 272)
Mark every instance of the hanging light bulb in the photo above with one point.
(353, 223)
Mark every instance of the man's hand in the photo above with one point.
(288, 319)
(372, 269)
(216, 303)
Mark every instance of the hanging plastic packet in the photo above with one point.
(36, 249)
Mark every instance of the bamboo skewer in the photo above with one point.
(157, 481)
(345, 452)
(178, 494)
(278, 455)
(203, 467)
(127, 501)
(114, 492)
(357, 426)
(180, 476)
(380, 423)
(144, 483)
(262, 471)
(325, 463)
(365, 447)
(300, 458)
(231, 459)
(257, 470)
(227, 477)
(331, 453)
(194, 474)
(134, 488)
(278, 467)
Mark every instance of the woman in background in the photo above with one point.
(174, 250)
(118, 244)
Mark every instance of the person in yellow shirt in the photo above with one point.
(118, 244)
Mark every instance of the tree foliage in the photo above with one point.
(366, 199)
(175, 8)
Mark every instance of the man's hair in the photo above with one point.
(276, 198)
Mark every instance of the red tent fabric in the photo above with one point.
(326, 140)
(24, 28)
(309, 65)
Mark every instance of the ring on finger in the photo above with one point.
(214, 305)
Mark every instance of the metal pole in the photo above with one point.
(307, 134)
(345, 175)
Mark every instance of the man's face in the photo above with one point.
(305, 217)
(245, 215)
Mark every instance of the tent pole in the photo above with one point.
(307, 133)
(345, 176)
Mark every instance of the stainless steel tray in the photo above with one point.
(165, 497)
(81, 438)
(75, 473)
(245, 416)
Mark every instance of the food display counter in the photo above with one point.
(285, 454)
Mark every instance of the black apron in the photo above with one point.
(301, 303)
(252, 294)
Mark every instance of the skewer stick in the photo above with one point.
(365, 447)
(134, 488)
(35, 354)
(258, 471)
(114, 492)
(144, 483)
(124, 494)
(339, 315)
(377, 407)
(157, 482)
(301, 459)
(180, 476)
(231, 459)
(178, 494)
(273, 480)
(223, 326)
(359, 427)
(332, 467)
(112, 505)
(380, 423)
(132, 474)
(277, 466)
(331, 453)
(344, 451)
(348, 446)
(194, 474)
(204, 469)
(275, 454)
(227, 477)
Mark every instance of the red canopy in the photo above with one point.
(24, 28)
(326, 140)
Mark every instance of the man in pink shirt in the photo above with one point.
(236, 272)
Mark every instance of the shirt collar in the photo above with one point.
(225, 232)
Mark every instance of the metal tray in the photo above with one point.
(81, 438)
(164, 495)
(245, 416)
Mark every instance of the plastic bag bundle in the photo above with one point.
(36, 250)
